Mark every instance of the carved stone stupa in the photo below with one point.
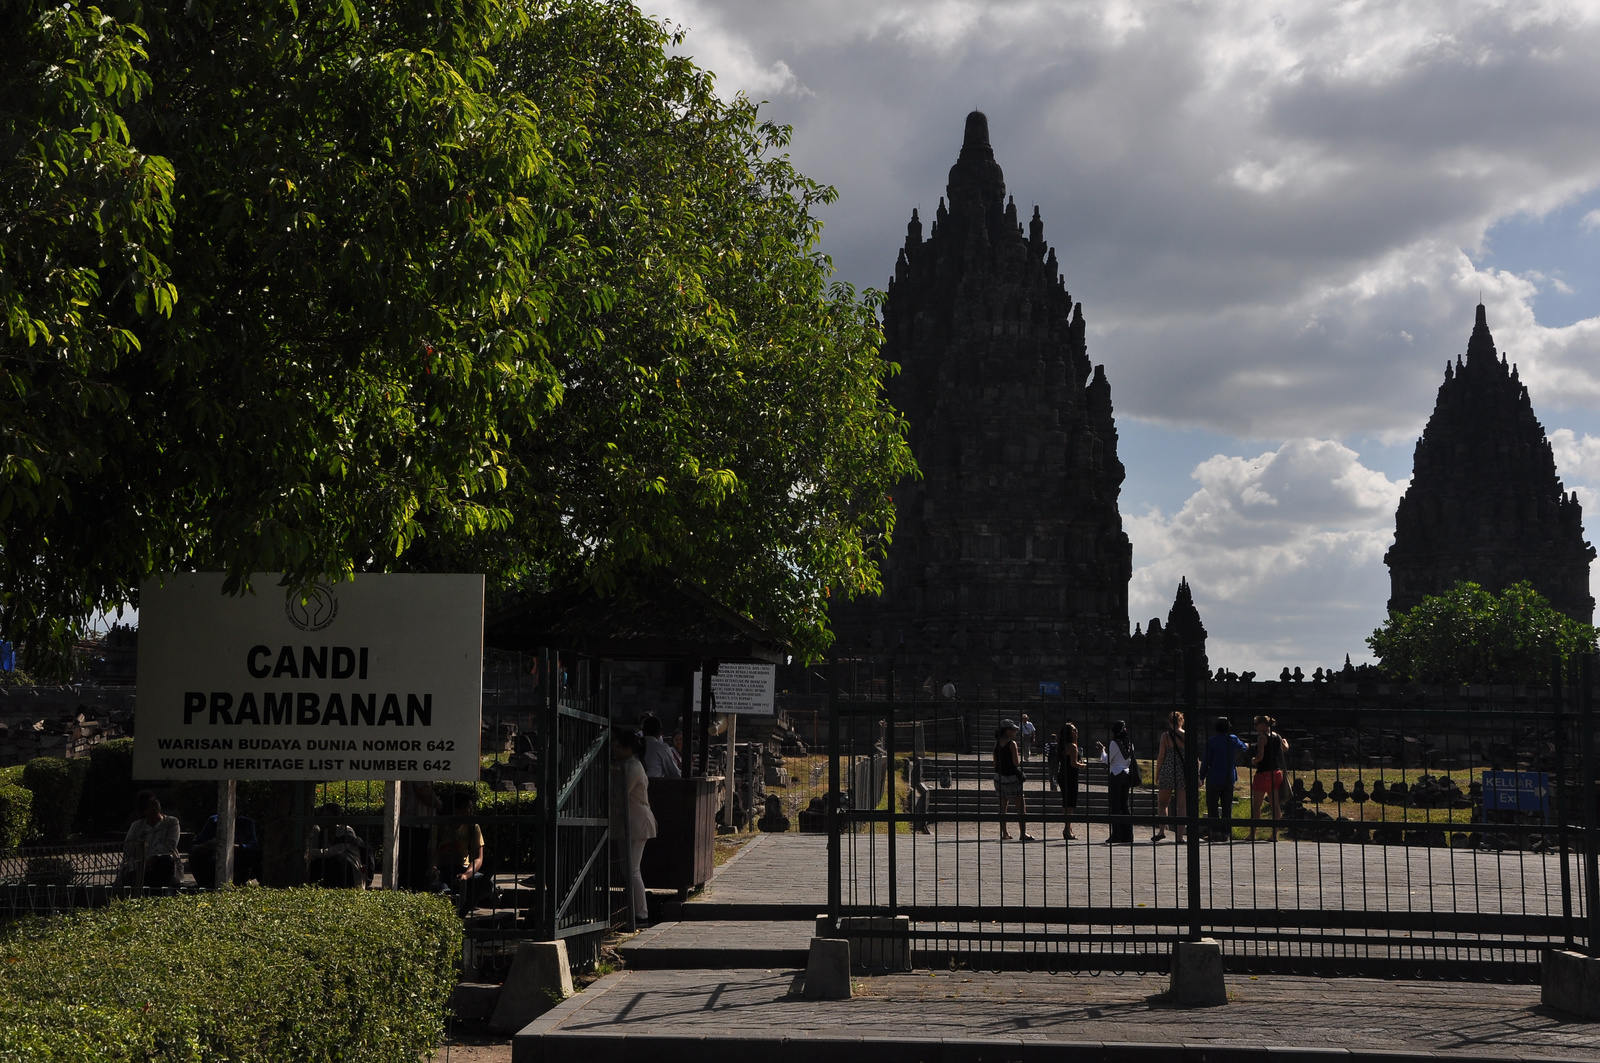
(1009, 564)
(1485, 503)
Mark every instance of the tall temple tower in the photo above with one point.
(1485, 503)
(1009, 564)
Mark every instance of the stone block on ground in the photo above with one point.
(1197, 974)
(878, 943)
(828, 970)
(539, 979)
(474, 1001)
(1570, 981)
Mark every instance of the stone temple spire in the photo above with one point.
(1485, 503)
(1009, 564)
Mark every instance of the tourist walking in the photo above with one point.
(1008, 778)
(1026, 734)
(1118, 758)
(1169, 778)
(1219, 772)
(1268, 780)
(636, 818)
(1068, 760)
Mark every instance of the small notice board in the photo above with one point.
(746, 689)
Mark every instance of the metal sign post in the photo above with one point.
(227, 814)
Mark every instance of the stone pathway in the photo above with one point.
(671, 1015)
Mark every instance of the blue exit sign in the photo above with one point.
(1516, 791)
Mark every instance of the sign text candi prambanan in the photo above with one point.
(378, 678)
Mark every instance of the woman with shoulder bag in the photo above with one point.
(1268, 779)
(1008, 778)
(1069, 759)
(1169, 777)
(1124, 775)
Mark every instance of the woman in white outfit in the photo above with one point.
(626, 746)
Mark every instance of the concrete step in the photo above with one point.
(975, 768)
(1035, 802)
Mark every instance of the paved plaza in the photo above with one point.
(967, 864)
(665, 1016)
(718, 980)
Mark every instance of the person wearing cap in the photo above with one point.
(1217, 769)
(1026, 734)
(1008, 778)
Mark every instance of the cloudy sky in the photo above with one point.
(1278, 217)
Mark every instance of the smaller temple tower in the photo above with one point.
(1485, 503)
(1160, 649)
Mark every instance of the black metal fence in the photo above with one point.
(1442, 835)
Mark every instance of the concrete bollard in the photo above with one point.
(828, 969)
(1197, 974)
(1570, 981)
(539, 979)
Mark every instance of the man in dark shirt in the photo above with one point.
(1218, 769)
(246, 853)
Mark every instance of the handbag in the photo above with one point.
(1135, 776)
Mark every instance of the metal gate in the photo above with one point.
(1406, 846)
(542, 804)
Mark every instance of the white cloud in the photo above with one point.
(1578, 463)
(1284, 552)
(1215, 176)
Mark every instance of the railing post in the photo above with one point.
(1558, 802)
(1586, 778)
(549, 788)
(1191, 781)
(894, 803)
(835, 868)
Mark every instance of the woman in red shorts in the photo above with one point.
(1268, 781)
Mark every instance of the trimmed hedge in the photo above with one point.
(279, 976)
(108, 790)
(16, 807)
(57, 787)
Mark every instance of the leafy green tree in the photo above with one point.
(723, 413)
(1470, 634)
(474, 285)
(83, 216)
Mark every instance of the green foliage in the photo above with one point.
(57, 787)
(364, 797)
(484, 285)
(108, 790)
(16, 806)
(268, 975)
(83, 212)
(1471, 635)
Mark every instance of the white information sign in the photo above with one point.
(379, 678)
(740, 688)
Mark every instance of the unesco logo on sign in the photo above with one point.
(315, 612)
